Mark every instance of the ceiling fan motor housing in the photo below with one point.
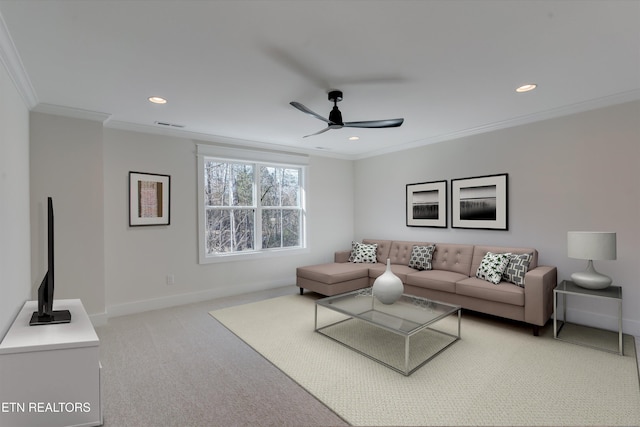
(335, 95)
(335, 116)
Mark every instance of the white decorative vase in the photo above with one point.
(388, 287)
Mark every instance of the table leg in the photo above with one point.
(620, 347)
(406, 355)
(555, 314)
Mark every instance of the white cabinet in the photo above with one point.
(50, 374)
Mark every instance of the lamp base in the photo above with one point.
(591, 279)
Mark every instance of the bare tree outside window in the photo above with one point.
(251, 206)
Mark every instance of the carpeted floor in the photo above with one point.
(180, 367)
(498, 374)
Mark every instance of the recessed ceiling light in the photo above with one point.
(527, 87)
(157, 100)
(354, 138)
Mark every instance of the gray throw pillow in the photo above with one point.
(517, 268)
(421, 257)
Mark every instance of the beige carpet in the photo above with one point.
(497, 374)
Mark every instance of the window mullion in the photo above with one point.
(232, 221)
(257, 211)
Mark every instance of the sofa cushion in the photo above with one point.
(440, 280)
(492, 267)
(421, 257)
(401, 271)
(333, 272)
(363, 253)
(516, 269)
(453, 257)
(504, 292)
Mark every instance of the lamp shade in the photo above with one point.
(592, 245)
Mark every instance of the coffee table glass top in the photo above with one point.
(406, 316)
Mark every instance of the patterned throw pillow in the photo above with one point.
(492, 267)
(517, 268)
(421, 257)
(362, 252)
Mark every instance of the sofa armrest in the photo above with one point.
(342, 256)
(539, 284)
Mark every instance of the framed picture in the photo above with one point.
(149, 199)
(480, 202)
(427, 204)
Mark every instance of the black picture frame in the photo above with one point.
(480, 202)
(426, 204)
(149, 199)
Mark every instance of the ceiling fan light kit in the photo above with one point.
(335, 116)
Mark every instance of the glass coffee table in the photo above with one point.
(399, 335)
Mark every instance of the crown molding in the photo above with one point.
(13, 64)
(580, 107)
(76, 113)
(197, 136)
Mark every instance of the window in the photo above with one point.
(249, 207)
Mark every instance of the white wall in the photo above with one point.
(572, 173)
(66, 164)
(138, 259)
(116, 269)
(15, 273)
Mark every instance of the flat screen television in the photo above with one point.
(46, 315)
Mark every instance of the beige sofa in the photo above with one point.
(451, 279)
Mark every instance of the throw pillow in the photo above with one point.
(492, 267)
(517, 268)
(421, 257)
(362, 252)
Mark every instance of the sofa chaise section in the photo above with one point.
(333, 278)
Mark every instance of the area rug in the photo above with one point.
(497, 374)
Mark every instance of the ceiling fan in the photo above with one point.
(335, 117)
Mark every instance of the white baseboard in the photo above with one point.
(603, 321)
(188, 298)
(597, 320)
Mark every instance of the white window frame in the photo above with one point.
(259, 158)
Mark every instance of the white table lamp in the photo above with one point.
(591, 245)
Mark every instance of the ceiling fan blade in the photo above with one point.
(308, 111)
(319, 132)
(391, 123)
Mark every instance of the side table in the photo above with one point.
(567, 287)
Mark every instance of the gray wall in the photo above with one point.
(66, 164)
(138, 259)
(572, 173)
(116, 269)
(15, 280)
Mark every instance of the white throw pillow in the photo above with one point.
(363, 253)
(492, 267)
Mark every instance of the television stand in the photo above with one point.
(57, 316)
(50, 375)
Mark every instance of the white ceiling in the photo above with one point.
(230, 68)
